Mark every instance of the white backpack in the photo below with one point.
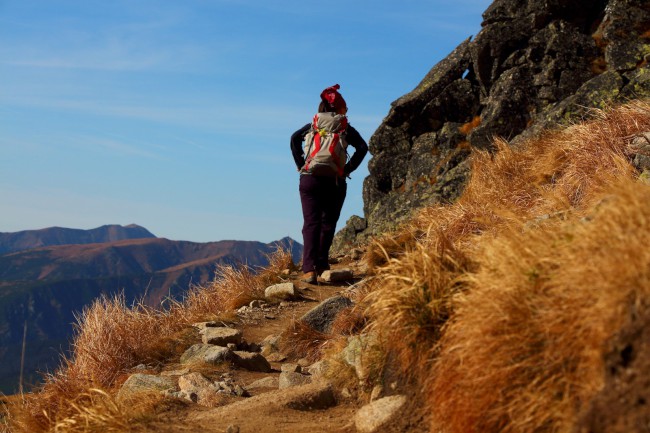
(325, 145)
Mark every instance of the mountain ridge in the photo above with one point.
(49, 236)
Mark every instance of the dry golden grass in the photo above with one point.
(508, 347)
(232, 288)
(112, 337)
(300, 340)
(524, 349)
(349, 321)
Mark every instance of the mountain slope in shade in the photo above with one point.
(45, 287)
(28, 239)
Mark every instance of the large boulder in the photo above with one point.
(322, 316)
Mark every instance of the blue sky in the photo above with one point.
(176, 115)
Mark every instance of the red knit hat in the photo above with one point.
(333, 97)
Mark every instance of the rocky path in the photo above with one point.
(236, 380)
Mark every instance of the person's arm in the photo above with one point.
(355, 140)
(296, 145)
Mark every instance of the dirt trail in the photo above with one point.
(267, 410)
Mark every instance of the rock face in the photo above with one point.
(532, 66)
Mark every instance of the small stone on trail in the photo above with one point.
(193, 382)
(377, 393)
(217, 354)
(221, 336)
(315, 396)
(291, 368)
(374, 416)
(276, 357)
(290, 379)
(255, 304)
(143, 383)
(251, 361)
(318, 368)
(337, 275)
(281, 291)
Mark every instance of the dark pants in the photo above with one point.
(322, 199)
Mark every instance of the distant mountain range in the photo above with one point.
(48, 275)
(29, 239)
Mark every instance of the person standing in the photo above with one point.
(319, 151)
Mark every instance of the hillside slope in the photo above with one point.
(45, 287)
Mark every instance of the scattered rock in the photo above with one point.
(239, 391)
(193, 382)
(322, 316)
(291, 368)
(208, 353)
(270, 345)
(373, 417)
(144, 383)
(232, 428)
(290, 379)
(267, 382)
(377, 393)
(195, 353)
(304, 362)
(276, 357)
(337, 275)
(641, 147)
(318, 369)
(256, 303)
(312, 397)
(217, 354)
(221, 336)
(251, 361)
(281, 291)
(355, 353)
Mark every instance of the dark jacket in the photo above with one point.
(353, 138)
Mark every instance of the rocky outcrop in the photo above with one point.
(532, 66)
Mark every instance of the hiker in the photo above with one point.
(323, 166)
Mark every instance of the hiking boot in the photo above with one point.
(309, 278)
